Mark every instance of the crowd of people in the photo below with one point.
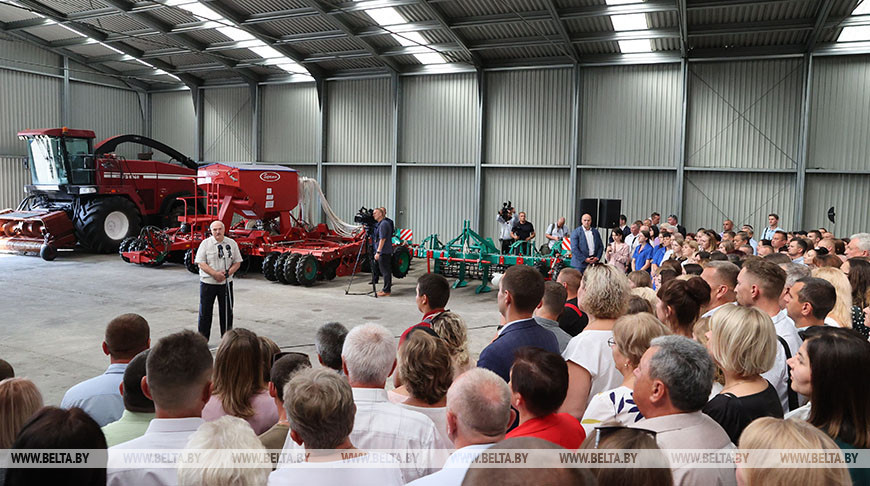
(665, 340)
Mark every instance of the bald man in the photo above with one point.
(218, 258)
(586, 245)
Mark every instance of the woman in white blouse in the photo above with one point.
(603, 295)
(631, 337)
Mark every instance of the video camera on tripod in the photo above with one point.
(505, 211)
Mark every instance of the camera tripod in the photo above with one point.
(374, 291)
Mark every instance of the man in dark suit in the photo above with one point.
(582, 252)
(672, 220)
(519, 293)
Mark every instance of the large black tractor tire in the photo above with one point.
(189, 263)
(269, 266)
(306, 271)
(279, 267)
(401, 261)
(102, 223)
(290, 268)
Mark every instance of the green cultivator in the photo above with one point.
(470, 256)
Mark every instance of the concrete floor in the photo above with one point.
(56, 312)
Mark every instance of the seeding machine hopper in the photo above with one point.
(291, 251)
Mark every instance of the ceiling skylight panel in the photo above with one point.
(386, 16)
(430, 58)
(635, 46)
(266, 52)
(629, 22)
(202, 11)
(863, 8)
(235, 34)
(855, 34)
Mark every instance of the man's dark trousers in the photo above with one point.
(383, 266)
(207, 294)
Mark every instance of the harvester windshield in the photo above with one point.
(60, 160)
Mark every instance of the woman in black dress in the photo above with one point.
(742, 341)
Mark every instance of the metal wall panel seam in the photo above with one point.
(800, 184)
(681, 160)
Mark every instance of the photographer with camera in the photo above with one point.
(218, 258)
(382, 244)
(506, 221)
(556, 232)
(523, 231)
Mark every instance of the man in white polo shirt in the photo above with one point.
(218, 258)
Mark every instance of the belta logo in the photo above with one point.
(270, 177)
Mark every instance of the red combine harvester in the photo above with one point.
(90, 195)
(292, 251)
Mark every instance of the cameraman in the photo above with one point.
(218, 258)
(523, 231)
(506, 220)
(382, 243)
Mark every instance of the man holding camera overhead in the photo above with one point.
(382, 244)
(218, 258)
(506, 221)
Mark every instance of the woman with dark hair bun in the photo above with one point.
(858, 271)
(680, 304)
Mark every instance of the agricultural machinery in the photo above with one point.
(85, 194)
(470, 256)
(261, 200)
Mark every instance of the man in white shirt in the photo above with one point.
(760, 284)
(178, 379)
(126, 336)
(772, 226)
(556, 232)
(320, 410)
(750, 232)
(478, 415)
(218, 258)
(631, 238)
(721, 276)
(368, 358)
(797, 247)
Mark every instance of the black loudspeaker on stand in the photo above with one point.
(604, 212)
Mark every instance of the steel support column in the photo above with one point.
(199, 147)
(681, 159)
(65, 106)
(575, 147)
(256, 135)
(149, 118)
(801, 180)
(396, 93)
(477, 214)
(322, 98)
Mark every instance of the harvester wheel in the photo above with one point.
(125, 246)
(290, 268)
(103, 222)
(543, 267)
(47, 252)
(401, 261)
(189, 263)
(306, 270)
(279, 267)
(269, 266)
(330, 269)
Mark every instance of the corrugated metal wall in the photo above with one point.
(290, 123)
(641, 192)
(440, 123)
(31, 57)
(848, 195)
(349, 188)
(745, 114)
(27, 101)
(542, 194)
(529, 117)
(631, 115)
(840, 117)
(359, 121)
(108, 112)
(435, 200)
(173, 121)
(13, 178)
(228, 125)
(711, 197)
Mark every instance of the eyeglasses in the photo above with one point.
(605, 430)
(277, 356)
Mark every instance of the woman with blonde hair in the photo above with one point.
(19, 400)
(796, 435)
(742, 342)
(631, 337)
(841, 315)
(238, 386)
(603, 295)
(450, 327)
